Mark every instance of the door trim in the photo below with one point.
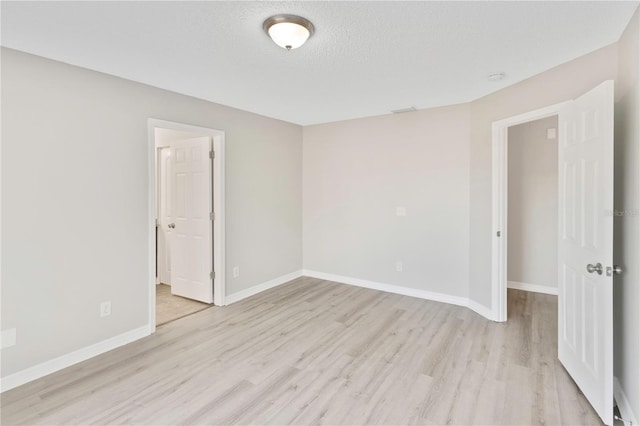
(218, 140)
(158, 174)
(499, 203)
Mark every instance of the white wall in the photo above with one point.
(626, 289)
(562, 83)
(533, 204)
(357, 172)
(74, 201)
(164, 137)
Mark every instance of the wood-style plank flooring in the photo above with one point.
(318, 352)
(170, 307)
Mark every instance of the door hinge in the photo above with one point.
(212, 154)
(212, 275)
(212, 216)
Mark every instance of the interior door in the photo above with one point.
(585, 298)
(164, 216)
(191, 199)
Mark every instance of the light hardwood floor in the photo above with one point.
(317, 352)
(170, 307)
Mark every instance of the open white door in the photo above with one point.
(585, 298)
(191, 198)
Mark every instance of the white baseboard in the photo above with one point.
(243, 294)
(480, 309)
(67, 360)
(532, 287)
(389, 288)
(405, 291)
(626, 412)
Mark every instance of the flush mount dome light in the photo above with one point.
(288, 31)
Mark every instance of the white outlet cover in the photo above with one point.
(8, 338)
(552, 133)
(398, 266)
(236, 271)
(401, 211)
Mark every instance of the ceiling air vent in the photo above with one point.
(402, 110)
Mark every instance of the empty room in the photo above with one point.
(320, 212)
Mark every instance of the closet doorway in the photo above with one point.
(532, 228)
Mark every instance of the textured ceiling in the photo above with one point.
(366, 58)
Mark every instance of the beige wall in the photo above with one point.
(533, 204)
(357, 172)
(626, 289)
(74, 201)
(562, 83)
(350, 194)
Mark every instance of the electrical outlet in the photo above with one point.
(236, 271)
(8, 338)
(398, 266)
(401, 211)
(552, 133)
(105, 308)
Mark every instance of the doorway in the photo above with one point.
(186, 211)
(532, 206)
(500, 190)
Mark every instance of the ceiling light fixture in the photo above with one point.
(288, 31)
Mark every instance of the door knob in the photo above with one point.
(172, 225)
(595, 268)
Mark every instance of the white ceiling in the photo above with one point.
(366, 58)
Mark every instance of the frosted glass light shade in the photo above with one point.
(288, 35)
(288, 31)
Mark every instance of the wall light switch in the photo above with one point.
(401, 211)
(398, 266)
(8, 338)
(552, 133)
(105, 308)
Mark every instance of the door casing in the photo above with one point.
(499, 204)
(163, 242)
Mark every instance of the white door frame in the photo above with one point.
(218, 138)
(159, 148)
(499, 190)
